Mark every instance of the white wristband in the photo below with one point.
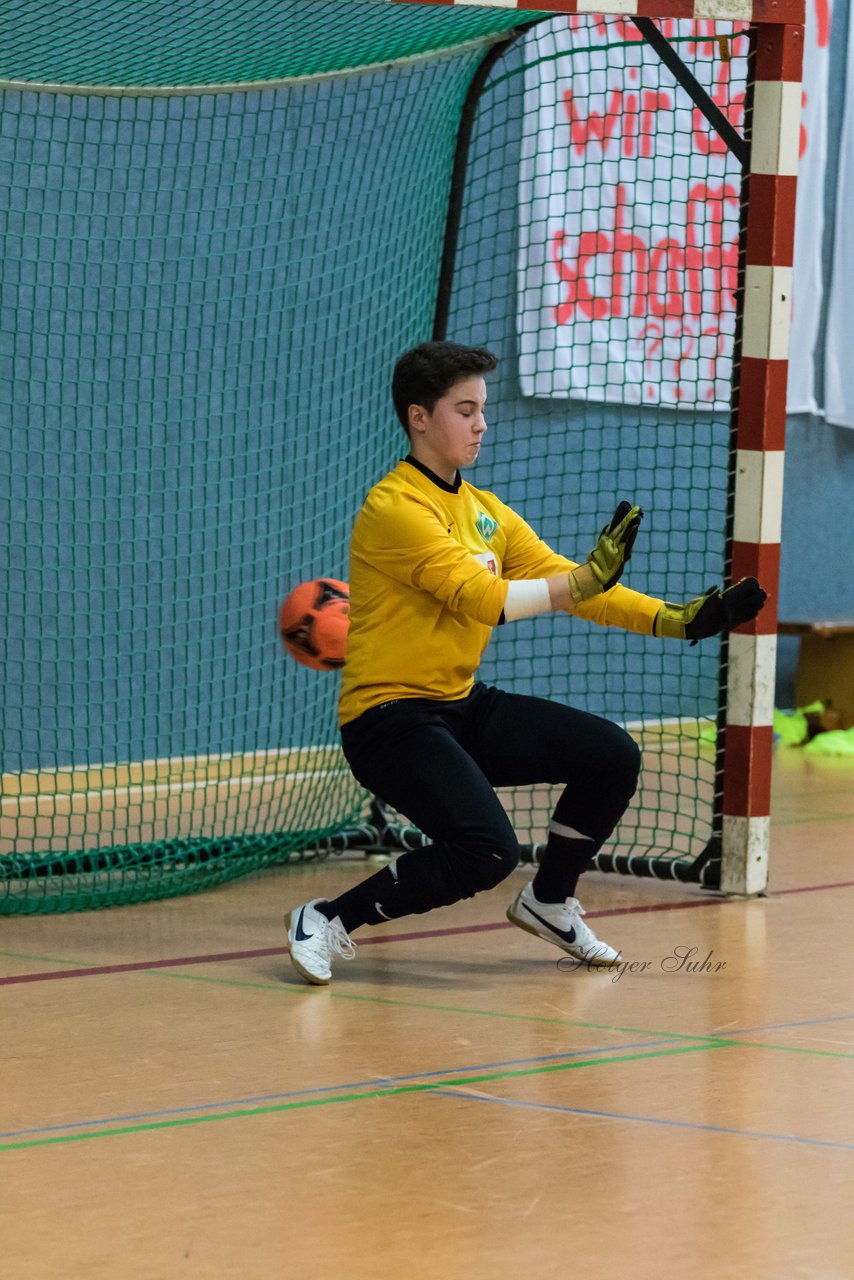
(525, 599)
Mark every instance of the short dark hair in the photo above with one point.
(424, 374)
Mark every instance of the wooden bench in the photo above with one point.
(825, 665)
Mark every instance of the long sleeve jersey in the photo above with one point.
(430, 564)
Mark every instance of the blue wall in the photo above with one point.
(819, 479)
(184, 436)
(672, 452)
(564, 465)
(195, 340)
(818, 492)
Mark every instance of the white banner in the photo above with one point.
(809, 225)
(839, 357)
(629, 216)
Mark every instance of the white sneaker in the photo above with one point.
(560, 923)
(313, 941)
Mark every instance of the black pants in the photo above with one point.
(438, 762)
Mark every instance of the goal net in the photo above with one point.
(220, 230)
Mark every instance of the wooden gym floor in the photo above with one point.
(455, 1107)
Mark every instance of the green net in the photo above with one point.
(203, 296)
(148, 46)
(598, 256)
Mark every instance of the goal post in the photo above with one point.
(219, 234)
(735, 857)
(737, 853)
(766, 255)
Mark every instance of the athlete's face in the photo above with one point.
(449, 438)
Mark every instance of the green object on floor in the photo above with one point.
(792, 725)
(837, 742)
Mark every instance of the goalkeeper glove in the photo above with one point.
(609, 557)
(709, 615)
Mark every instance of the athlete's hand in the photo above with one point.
(709, 615)
(609, 557)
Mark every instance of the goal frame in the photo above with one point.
(736, 859)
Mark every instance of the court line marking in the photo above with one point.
(783, 1048)
(618, 1115)
(710, 1040)
(26, 955)
(226, 956)
(719, 1037)
(493, 1013)
(378, 1082)
(353, 1097)
(779, 1026)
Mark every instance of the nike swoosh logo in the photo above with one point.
(299, 934)
(568, 935)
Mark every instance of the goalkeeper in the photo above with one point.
(435, 564)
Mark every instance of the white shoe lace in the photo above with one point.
(339, 940)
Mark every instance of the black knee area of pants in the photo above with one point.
(627, 760)
(441, 874)
(489, 869)
(598, 794)
(467, 870)
(613, 753)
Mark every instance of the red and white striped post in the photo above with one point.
(759, 417)
(760, 425)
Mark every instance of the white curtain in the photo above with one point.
(809, 226)
(629, 216)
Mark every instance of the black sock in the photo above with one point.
(564, 859)
(359, 905)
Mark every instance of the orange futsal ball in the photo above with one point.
(314, 620)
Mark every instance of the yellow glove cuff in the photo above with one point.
(670, 622)
(583, 583)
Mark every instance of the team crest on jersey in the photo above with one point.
(486, 526)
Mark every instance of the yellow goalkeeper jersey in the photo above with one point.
(430, 564)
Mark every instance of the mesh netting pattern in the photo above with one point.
(148, 45)
(203, 298)
(594, 177)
